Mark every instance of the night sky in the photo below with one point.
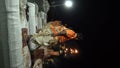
(92, 18)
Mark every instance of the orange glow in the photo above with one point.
(76, 51)
(71, 50)
(66, 49)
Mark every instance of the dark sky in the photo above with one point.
(93, 19)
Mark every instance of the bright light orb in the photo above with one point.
(68, 3)
(76, 51)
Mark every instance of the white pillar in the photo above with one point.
(23, 19)
(36, 14)
(32, 24)
(14, 34)
(24, 24)
(43, 16)
(39, 21)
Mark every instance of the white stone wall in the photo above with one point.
(13, 19)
